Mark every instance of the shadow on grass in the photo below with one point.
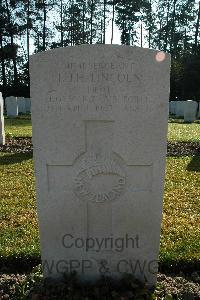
(20, 117)
(175, 267)
(15, 158)
(194, 164)
(180, 120)
(21, 264)
(25, 263)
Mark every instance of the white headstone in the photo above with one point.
(99, 115)
(173, 107)
(21, 105)
(28, 105)
(11, 106)
(190, 111)
(180, 108)
(2, 132)
(176, 108)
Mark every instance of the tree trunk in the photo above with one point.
(104, 21)
(173, 26)
(44, 26)
(185, 40)
(83, 33)
(91, 19)
(159, 36)
(12, 44)
(71, 24)
(61, 23)
(113, 17)
(150, 24)
(197, 30)
(38, 42)
(3, 68)
(73, 42)
(167, 28)
(87, 26)
(101, 31)
(28, 37)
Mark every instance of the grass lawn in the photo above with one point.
(18, 222)
(18, 127)
(180, 238)
(180, 131)
(177, 130)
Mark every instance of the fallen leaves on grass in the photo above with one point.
(24, 145)
(33, 286)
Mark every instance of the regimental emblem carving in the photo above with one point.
(100, 172)
(100, 181)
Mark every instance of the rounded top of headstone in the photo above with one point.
(104, 49)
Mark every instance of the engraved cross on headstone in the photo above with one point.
(98, 178)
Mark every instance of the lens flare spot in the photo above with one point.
(160, 56)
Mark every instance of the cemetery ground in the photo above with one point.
(180, 236)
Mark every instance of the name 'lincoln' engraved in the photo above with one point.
(99, 77)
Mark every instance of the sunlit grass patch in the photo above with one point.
(180, 239)
(18, 222)
(177, 129)
(180, 131)
(18, 127)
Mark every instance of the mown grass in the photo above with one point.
(180, 131)
(180, 238)
(18, 222)
(177, 129)
(18, 127)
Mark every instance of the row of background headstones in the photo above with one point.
(189, 109)
(16, 105)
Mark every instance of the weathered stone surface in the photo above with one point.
(2, 132)
(11, 106)
(190, 111)
(99, 115)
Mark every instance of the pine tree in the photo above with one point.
(128, 15)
